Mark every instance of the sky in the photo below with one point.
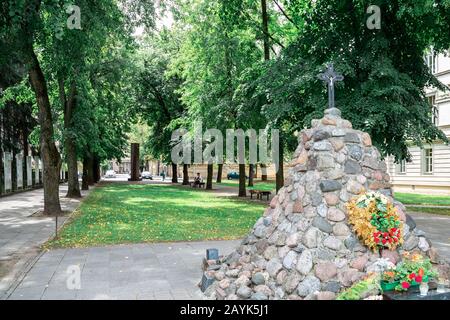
(165, 20)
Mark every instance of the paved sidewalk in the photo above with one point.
(21, 234)
(127, 272)
(437, 229)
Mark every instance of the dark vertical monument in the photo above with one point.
(134, 174)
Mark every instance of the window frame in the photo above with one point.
(401, 167)
(428, 161)
(431, 61)
(434, 109)
(435, 114)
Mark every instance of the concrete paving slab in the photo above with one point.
(437, 229)
(149, 278)
(21, 233)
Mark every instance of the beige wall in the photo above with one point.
(414, 179)
(123, 167)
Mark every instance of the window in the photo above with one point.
(434, 111)
(428, 155)
(431, 61)
(401, 167)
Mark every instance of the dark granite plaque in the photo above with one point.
(206, 282)
(414, 294)
(212, 254)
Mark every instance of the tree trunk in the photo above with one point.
(25, 134)
(219, 172)
(256, 171)
(251, 174)
(2, 182)
(185, 174)
(24, 170)
(263, 172)
(280, 174)
(209, 177)
(73, 186)
(96, 168)
(50, 156)
(265, 28)
(174, 173)
(85, 182)
(90, 169)
(14, 172)
(242, 190)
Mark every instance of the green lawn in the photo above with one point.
(422, 199)
(258, 184)
(122, 213)
(432, 210)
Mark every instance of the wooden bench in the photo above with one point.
(252, 192)
(264, 193)
(194, 184)
(259, 194)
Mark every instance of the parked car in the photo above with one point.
(234, 175)
(146, 175)
(110, 174)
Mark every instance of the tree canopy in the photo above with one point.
(229, 64)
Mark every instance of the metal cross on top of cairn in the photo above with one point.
(330, 76)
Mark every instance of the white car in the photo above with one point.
(146, 175)
(110, 174)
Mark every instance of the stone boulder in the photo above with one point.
(303, 247)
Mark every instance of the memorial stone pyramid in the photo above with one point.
(303, 246)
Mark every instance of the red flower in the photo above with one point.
(405, 285)
(384, 241)
(394, 229)
(377, 240)
(421, 272)
(412, 276)
(385, 234)
(418, 279)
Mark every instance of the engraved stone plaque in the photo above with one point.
(19, 170)
(8, 172)
(36, 169)
(29, 172)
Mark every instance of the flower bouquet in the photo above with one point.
(376, 221)
(410, 272)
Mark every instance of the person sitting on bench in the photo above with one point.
(198, 179)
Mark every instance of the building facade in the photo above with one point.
(122, 167)
(429, 170)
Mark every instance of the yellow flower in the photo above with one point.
(360, 218)
(416, 257)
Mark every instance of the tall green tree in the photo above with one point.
(215, 52)
(385, 74)
(157, 97)
(21, 24)
(36, 34)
